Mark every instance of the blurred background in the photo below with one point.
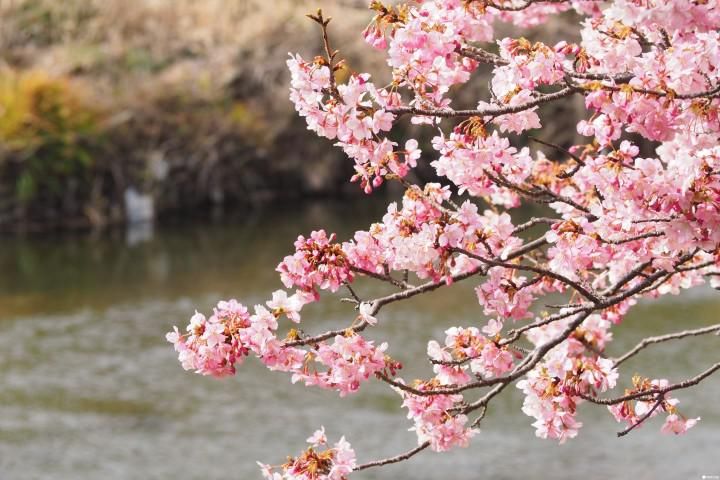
(151, 164)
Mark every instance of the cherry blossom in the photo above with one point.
(630, 212)
(332, 463)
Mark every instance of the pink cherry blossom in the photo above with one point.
(630, 213)
(677, 424)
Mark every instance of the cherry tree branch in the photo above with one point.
(655, 391)
(484, 56)
(537, 194)
(385, 278)
(541, 271)
(329, 53)
(535, 221)
(659, 93)
(395, 459)
(484, 112)
(411, 292)
(521, 369)
(664, 338)
(640, 420)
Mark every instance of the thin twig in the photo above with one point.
(395, 459)
(655, 391)
(664, 338)
(640, 420)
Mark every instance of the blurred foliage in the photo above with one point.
(183, 99)
(43, 23)
(44, 122)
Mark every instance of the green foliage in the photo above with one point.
(45, 126)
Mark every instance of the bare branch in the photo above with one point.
(535, 221)
(660, 93)
(641, 236)
(385, 278)
(329, 53)
(664, 338)
(395, 459)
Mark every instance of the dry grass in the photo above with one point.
(146, 44)
(198, 87)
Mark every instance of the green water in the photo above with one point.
(89, 389)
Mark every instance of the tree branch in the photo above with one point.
(395, 459)
(664, 338)
(647, 415)
(656, 391)
(493, 112)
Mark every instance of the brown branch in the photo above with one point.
(354, 295)
(664, 338)
(691, 382)
(385, 278)
(612, 290)
(522, 6)
(527, 364)
(640, 420)
(411, 292)
(559, 148)
(648, 281)
(484, 56)
(477, 421)
(541, 271)
(493, 112)
(481, 55)
(514, 334)
(395, 459)
(689, 268)
(652, 220)
(534, 221)
(521, 369)
(578, 161)
(660, 93)
(541, 195)
(641, 236)
(330, 54)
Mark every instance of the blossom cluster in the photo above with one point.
(554, 388)
(633, 211)
(472, 161)
(350, 360)
(356, 114)
(318, 262)
(631, 412)
(420, 235)
(506, 294)
(214, 346)
(319, 462)
(483, 356)
(434, 419)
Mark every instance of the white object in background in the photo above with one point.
(139, 207)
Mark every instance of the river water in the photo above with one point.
(89, 389)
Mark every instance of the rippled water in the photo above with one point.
(89, 389)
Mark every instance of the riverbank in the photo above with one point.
(179, 103)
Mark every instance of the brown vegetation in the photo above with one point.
(185, 100)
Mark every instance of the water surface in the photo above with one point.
(89, 389)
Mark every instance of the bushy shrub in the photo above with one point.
(44, 126)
